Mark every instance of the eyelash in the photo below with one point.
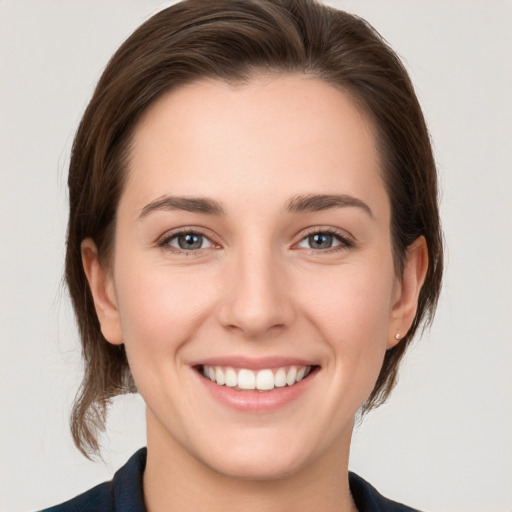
(166, 240)
(345, 241)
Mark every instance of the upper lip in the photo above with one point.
(254, 363)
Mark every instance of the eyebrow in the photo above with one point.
(319, 202)
(188, 204)
(298, 203)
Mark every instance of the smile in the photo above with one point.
(243, 379)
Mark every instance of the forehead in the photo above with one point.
(290, 132)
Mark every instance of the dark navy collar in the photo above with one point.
(368, 499)
(127, 484)
(124, 493)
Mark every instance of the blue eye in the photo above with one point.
(322, 240)
(188, 241)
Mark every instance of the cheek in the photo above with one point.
(161, 307)
(351, 300)
(351, 310)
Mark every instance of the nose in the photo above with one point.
(256, 301)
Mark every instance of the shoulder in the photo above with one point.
(368, 499)
(122, 493)
(99, 499)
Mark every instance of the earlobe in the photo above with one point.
(102, 289)
(413, 277)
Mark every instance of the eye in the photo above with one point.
(187, 241)
(322, 240)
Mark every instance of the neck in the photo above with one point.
(176, 480)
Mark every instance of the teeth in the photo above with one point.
(263, 380)
(300, 374)
(246, 379)
(219, 376)
(280, 378)
(290, 376)
(231, 379)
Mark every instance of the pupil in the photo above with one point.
(190, 241)
(320, 241)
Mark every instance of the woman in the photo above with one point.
(253, 242)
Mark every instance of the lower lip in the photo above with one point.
(257, 401)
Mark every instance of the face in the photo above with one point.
(252, 279)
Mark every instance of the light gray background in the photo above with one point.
(444, 441)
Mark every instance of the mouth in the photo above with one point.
(261, 380)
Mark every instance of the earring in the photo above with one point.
(397, 336)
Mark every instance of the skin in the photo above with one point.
(256, 288)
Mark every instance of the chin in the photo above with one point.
(257, 468)
(263, 458)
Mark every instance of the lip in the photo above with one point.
(254, 401)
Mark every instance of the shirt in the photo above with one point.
(124, 493)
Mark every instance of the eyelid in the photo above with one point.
(163, 240)
(346, 239)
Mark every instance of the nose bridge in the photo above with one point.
(256, 300)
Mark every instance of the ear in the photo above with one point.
(102, 288)
(408, 290)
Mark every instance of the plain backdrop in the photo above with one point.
(444, 440)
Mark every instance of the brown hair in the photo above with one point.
(231, 40)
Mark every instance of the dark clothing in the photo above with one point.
(124, 493)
